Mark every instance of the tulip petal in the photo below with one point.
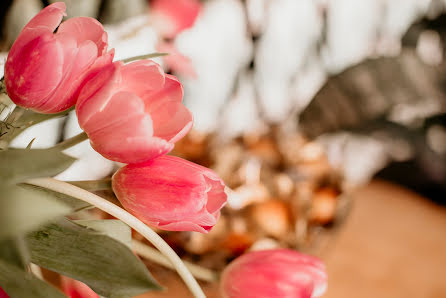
(142, 77)
(36, 70)
(121, 110)
(216, 195)
(83, 29)
(97, 92)
(66, 93)
(49, 17)
(171, 121)
(183, 226)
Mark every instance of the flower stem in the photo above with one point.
(93, 185)
(139, 226)
(153, 255)
(71, 141)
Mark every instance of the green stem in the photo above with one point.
(153, 255)
(93, 185)
(148, 56)
(139, 226)
(71, 141)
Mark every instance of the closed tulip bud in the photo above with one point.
(76, 289)
(171, 194)
(45, 70)
(133, 113)
(277, 273)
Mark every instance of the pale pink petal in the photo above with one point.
(216, 195)
(171, 121)
(142, 77)
(49, 17)
(129, 141)
(83, 29)
(183, 226)
(121, 110)
(97, 91)
(66, 93)
(35, 71)
(76, 289)
(177, 62)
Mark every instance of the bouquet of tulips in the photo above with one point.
(132, 113)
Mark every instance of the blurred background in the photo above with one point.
(326, 119)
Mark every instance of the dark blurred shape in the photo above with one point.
(369, 91)
(367, 99)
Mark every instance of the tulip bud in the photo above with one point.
(133, 113)
(171, 194)
(45, 70)
(76, 289)
(170, 17)
(274, 273)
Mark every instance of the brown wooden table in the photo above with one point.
(393, 245)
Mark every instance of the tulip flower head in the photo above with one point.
(170, 17)
(277, 273)
(171, 194)
(76, 289)
(133, 113)
(45, 70)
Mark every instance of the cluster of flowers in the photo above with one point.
(133, 114)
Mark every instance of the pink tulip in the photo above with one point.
(133, 113)
(76, 289)
(177, 62)
(170, 17)
(171, 194)
(277, 273)
(45, 70)
(3, 294)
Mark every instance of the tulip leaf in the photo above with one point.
(106, 265)
(142, 57)
(74, 203)
(22, 210)
(113, 228)
(17, 165)
(20, 119)
(14, 251)
(19, 283)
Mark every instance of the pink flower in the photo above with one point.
(45, 70)
(171, 193)
(3, 294)
(280, 273)
(177, 62)
(76, 289)
(133, 113)
(170, 17)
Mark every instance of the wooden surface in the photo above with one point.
(393, 245)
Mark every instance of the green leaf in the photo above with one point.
(113, 228)
(106, 265)
(20, 119)
(19, 283)
(22, 210)
(14, 251)
(142, 57)
(17, 165)
(74, 203)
